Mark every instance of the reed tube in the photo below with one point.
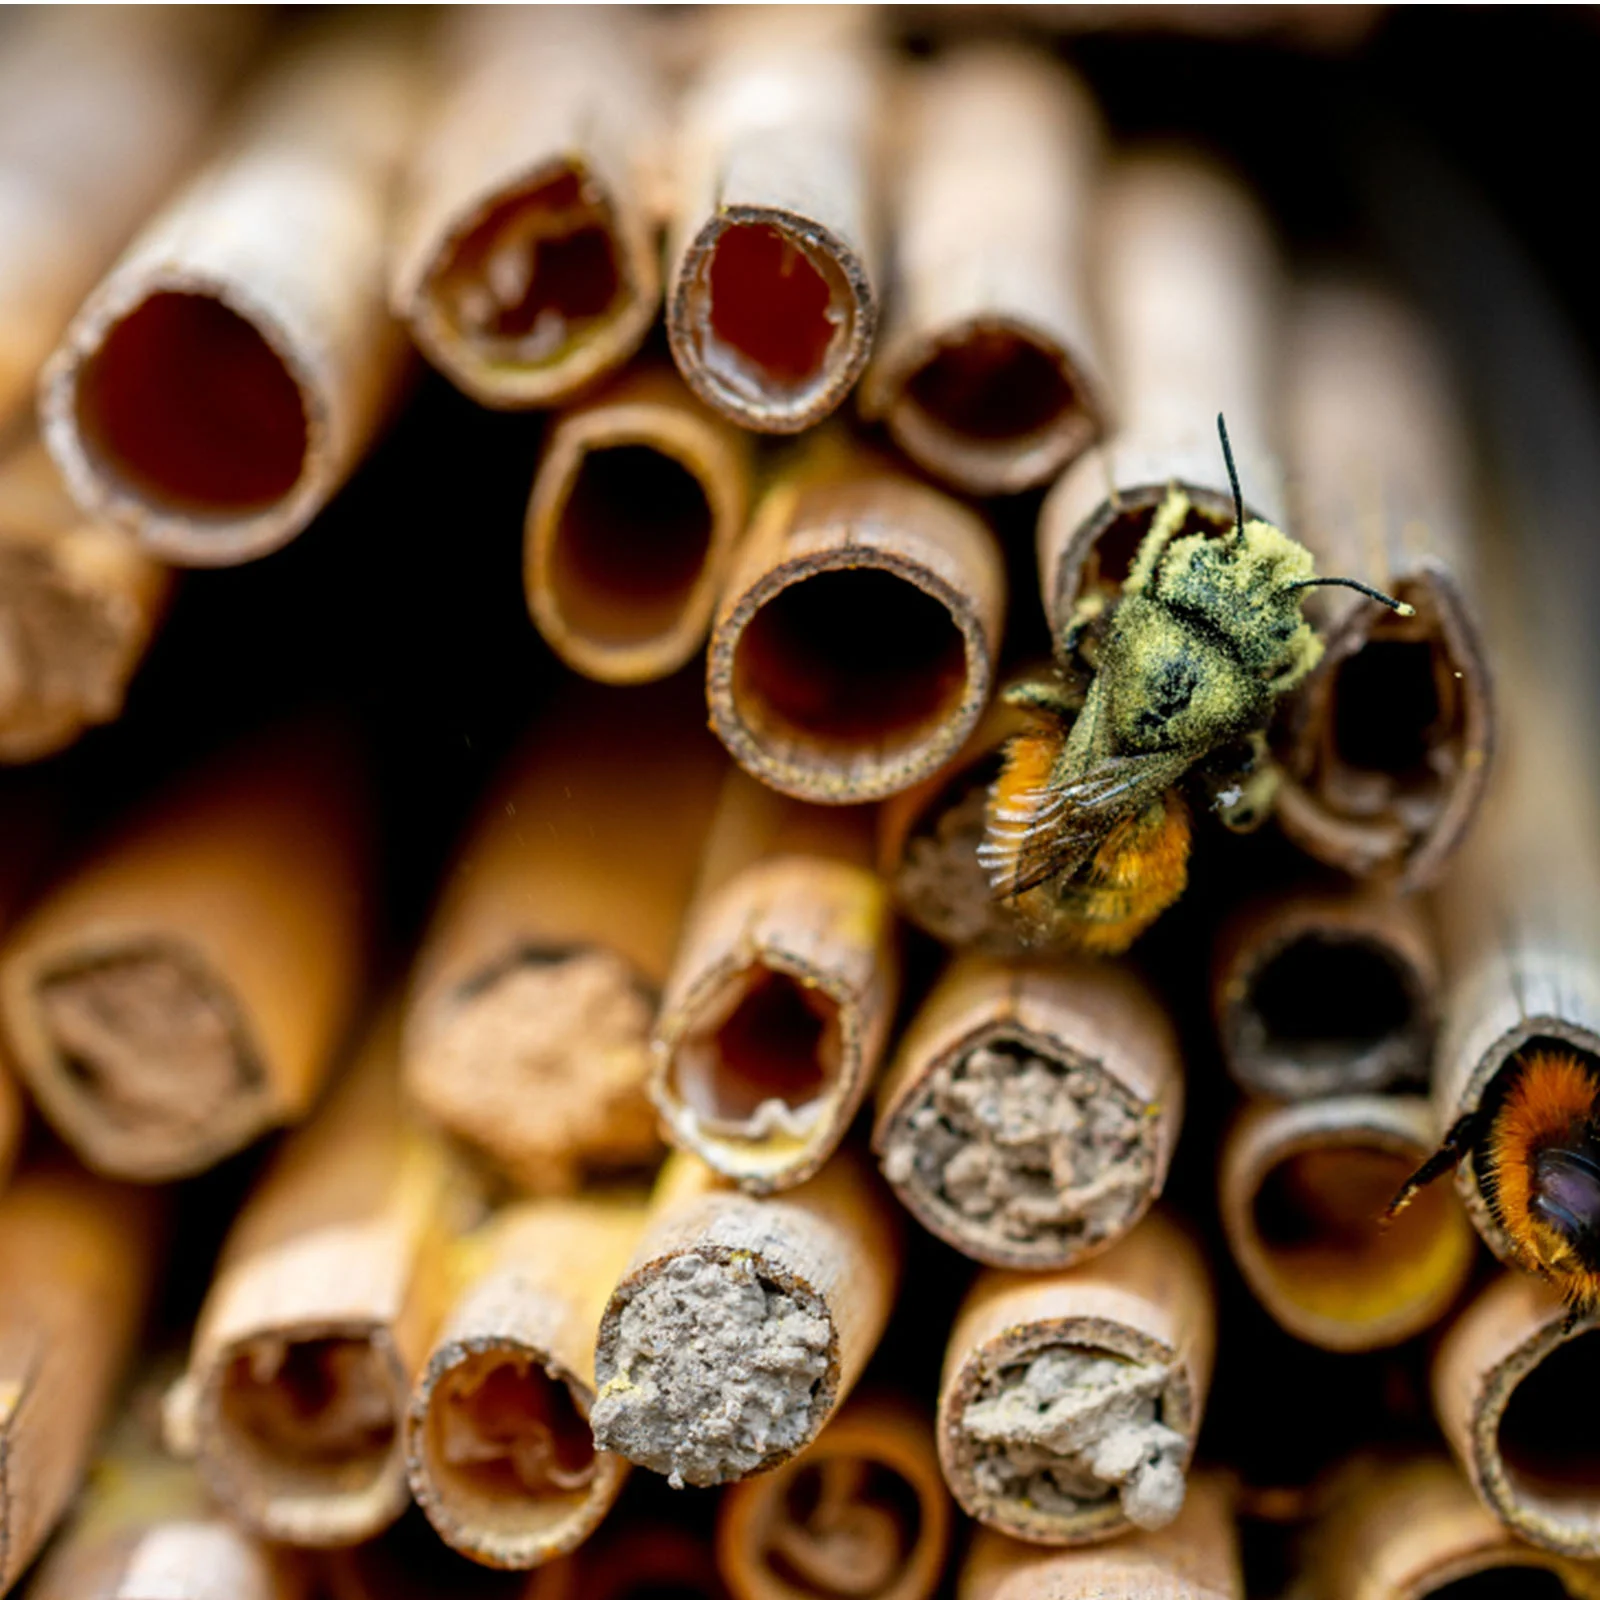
(1030, 1113)
(985, 370)
(231, 369)
(853, 648)
(782, 993)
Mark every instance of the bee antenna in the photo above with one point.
(1233, 476)
(1399, 607)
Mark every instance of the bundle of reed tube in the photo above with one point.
(1211, 1188)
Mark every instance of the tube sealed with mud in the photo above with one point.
(1514, 1381)
(640, 499)
(319, 1315)
(782, 993)
(862, 1512)
(1195, 1557)
(1327, 989)
(79, 606)
(525, 260)
(497, 1435)
(1190, 294)
(187, 986)
(100, 111)
(1387, 745)
(532, 1000)
(1410, 1528)
(77, 1258)
(985, 370)
(1301, 1186)
(1070, 1400)
(232, 368)
(743, 1322)
(1031, 1110)
(853, 648)
(772, 299)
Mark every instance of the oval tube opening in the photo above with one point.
(846, 1526)
(1549, 1437)
(1512, 1581)
(186, 405)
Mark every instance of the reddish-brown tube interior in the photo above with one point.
(770, 1038)
(630, 544)
(857, 658)
(992, 386)
(847, 1527)
(1549, 1434)
(770, 304)
(188, 406)
(536, 275)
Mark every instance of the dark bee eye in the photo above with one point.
(1566, 1192)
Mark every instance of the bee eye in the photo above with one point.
(1566, 1192)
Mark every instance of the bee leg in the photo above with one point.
(1243, 791)
(1457, 1143)
(1081, 634)
(1041, 694)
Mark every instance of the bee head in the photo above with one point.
(1564, 1204)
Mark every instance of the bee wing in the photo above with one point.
(1068, 822)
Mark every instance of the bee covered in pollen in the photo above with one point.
(1534, 1146)
(1086, 832)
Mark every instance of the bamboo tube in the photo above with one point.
(1410, 1529)
(772, 301)
(99, 110)
(853, 648)
(1387, 745)
(231, 369)
(497, 1435)
(409, 1561)
(1302, 1188)
(640, 498)
(528, 1023)
(28, 823)
(76, 1258)
(79, 605)
(1194, 1558)
(782, 993)
(319, 1314)
(743, 1323)
(185, 989)
(862, 1513)
(985, 372)
(1031, 1110)
(1070, 1401)
(1189, 290)
(525, 259)
(1513, 1390)
(1322, 990)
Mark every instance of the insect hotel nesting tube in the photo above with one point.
(187, 987)
(1031, 1110)
(1387, 745)
(772, 301)
(1300, 1188)
(861, 1514)
(525, 259)
(641, 496)
(497, 1435)
(854, 645)
(528, 1022)
(231, 369)
(1327, 990)
(1070, 1400)
(743, 1323)
(782, 992)
(1189, 281)
(984, 371)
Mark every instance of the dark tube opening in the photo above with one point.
(1514, 1581)
(411, 1562)
(188, 405)
(847, 1527)
(1110, 558)
(537, 274)
(857, 657)
(630, 545)
(992, 386)
(1549, 1434)
(770, 1038)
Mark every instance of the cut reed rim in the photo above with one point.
(186, 412)
(772, 318)
(535, 290)
(992, 406)
(500, 1453)
(1303, 1190)
(847, 674)
(304, 1428)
